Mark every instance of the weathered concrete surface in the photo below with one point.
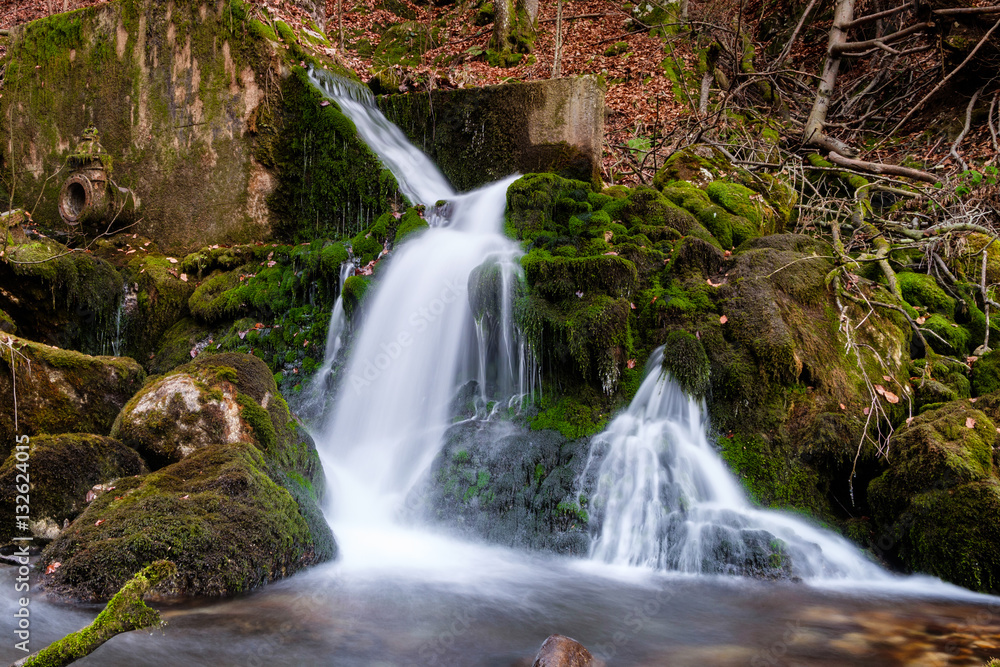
(204, 113)
(477, 135)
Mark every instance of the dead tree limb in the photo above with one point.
(877, 168)
(125, 612)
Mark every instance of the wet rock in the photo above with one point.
(59, 391)
(562, 651)
(64, 469)
(217, 514)
(937, 507)
(510, 486)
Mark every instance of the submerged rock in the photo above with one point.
(63, 471)
(562, 651)
(59, 391)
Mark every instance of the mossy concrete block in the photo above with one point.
(217, 514)
(204, 114)
(59, 391)
(940, 497)
(63, 469)
(477, 135)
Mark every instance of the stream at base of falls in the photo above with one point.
(487, 606)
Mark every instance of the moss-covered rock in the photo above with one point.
(920, 289)
(59, 391)
(986, 374)
(59, 296)
(217, 514)
(63, 469)
(223, 398)
(685, 359)
(940, 497)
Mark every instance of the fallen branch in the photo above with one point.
(965, 130)
(878, 168)
(125, 612)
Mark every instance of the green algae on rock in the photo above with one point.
(217, 514)
(64, 468)
(59, 391)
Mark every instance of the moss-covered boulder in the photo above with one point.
(63, 297)
(217, 399)
(767, 202)
(986, 374)
(63, 470)
(217, 514)
(59, 391)
(939, 500)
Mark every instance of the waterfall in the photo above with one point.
(664, 499)
(316, 393)
(419, 340)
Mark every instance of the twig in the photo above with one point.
(965, 130)
(795, 35)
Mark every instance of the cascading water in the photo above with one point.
(335, 335)
(664, 499)
(419, 340)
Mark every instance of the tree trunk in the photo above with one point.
(503, 24)
(557, 58)
(814, 133)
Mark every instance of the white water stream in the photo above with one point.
(664, 498)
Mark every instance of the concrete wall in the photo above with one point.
(478, 135)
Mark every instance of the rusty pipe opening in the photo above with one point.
(76, 198)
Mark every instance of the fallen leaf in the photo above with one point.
(891, 397)
(654, 299)
(194, 353)
(972, 400)
(633, 305)
(910, 419)
(866, 411)
(970, 422)
(91, 495)
(921, 320)
(728, 253)
(242, 334)
(171, 260)
(612, 253)
(723, 319)
(608, 235)
(185, 496)
(880, 389)
(630, 363)
(887, 378)
(53, 567)
(579, 294)
(184, 277)
(843, 407)
(99, 522)
(324, 103)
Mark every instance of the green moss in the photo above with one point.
(769, 477)
(354, 291)
(410, 222)
(920, 289)
(343, 189)
(570, 417)
(685, 359)
(986, 374)
(948, 337)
